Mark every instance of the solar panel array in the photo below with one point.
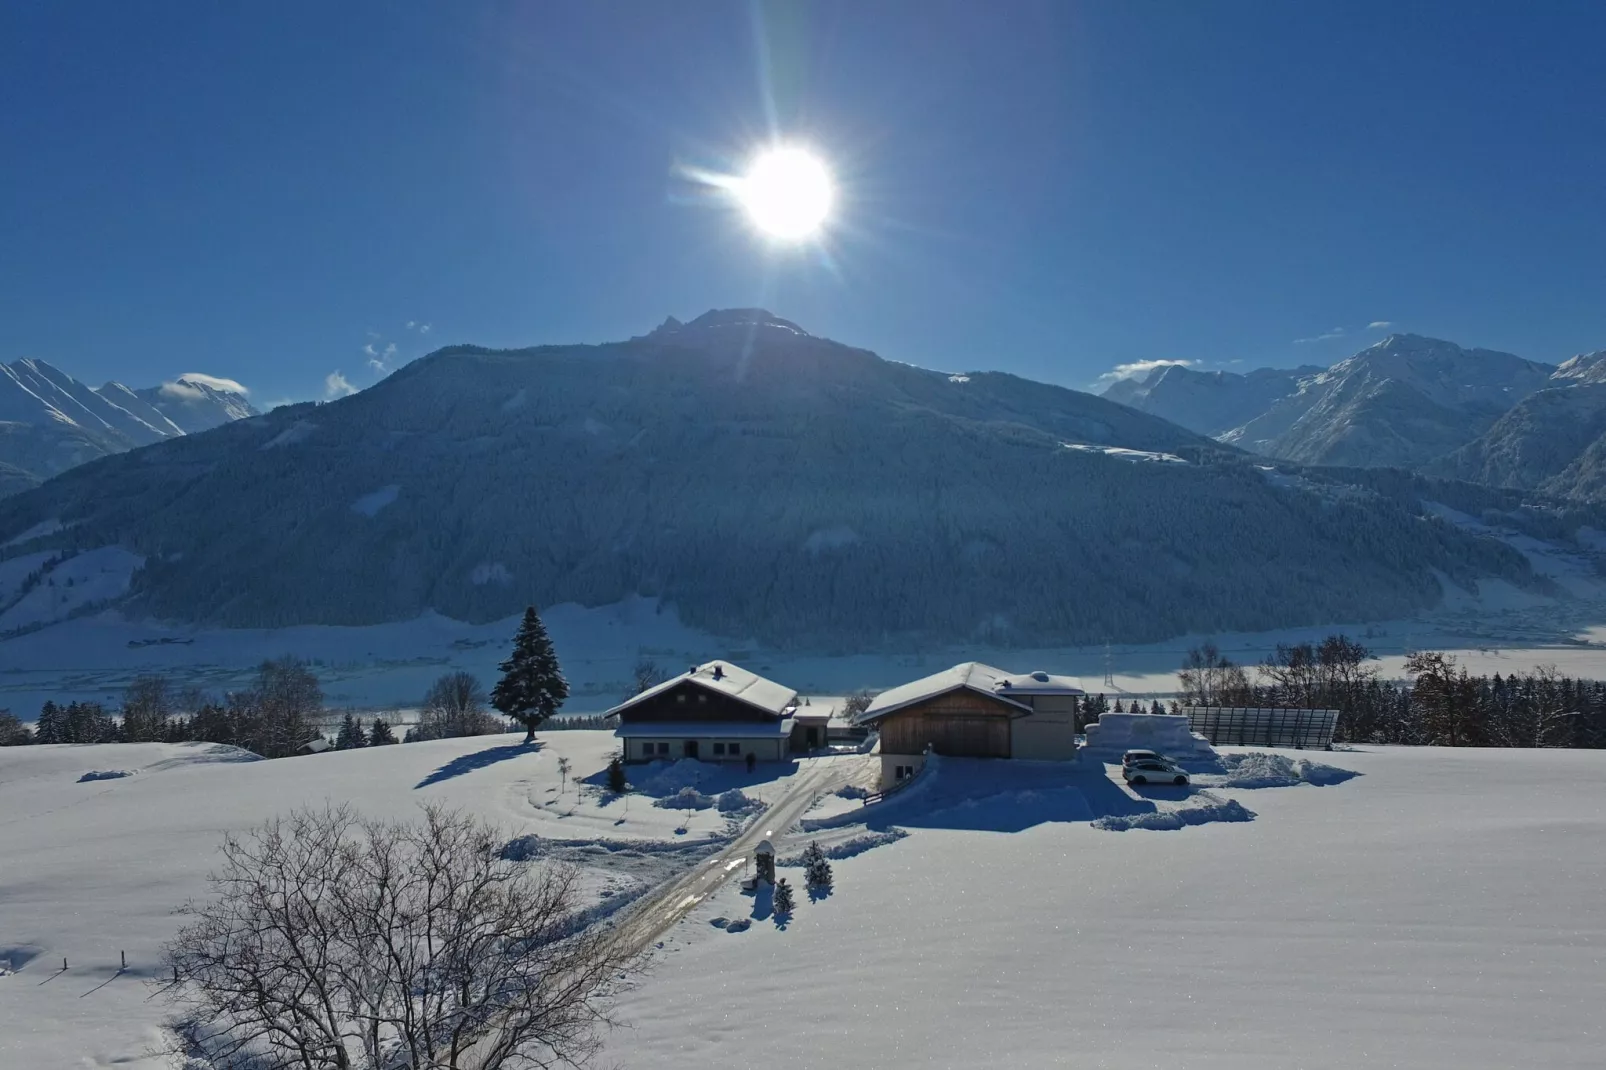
(1266, 726)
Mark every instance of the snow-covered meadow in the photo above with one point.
(1386, 906)
(1441, 909)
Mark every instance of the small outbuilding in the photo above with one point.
(974, 711)
(715, 712)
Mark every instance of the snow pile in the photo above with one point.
(687, 798)
(735, 802)
(1203, 809)
(105, 774)
(668, 778)
(1168, 733)
(848, 848)
(1258, 769)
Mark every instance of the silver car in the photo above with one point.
(1147, 771)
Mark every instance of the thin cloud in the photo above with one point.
(380, 360)
(1325, 336)
(1379, 325)
(421, 328)
(1141, 367)
(216, 382)
(336, 385)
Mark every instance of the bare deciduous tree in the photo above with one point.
(855, 704)
(336, 943)
(646, 675)
(455, 706)
(1209, 678)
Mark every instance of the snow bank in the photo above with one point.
(1114, 733)
(670, 778)
(1258, 769)
(80, 582)
(1202, 809)
(848, 848)
(105, 774)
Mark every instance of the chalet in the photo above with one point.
(713, 712)
(974, 711)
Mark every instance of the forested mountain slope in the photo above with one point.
(768, 484)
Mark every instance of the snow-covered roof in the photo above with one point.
(726, 679)
(706, 729)
(1040, 683)
(977, 677)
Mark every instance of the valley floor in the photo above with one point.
(1436, 909)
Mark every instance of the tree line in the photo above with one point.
(282, 710)
(1438, 704)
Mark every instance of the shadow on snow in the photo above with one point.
(480, 759)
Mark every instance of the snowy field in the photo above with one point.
(1442, 909)
(1380, 907)
(92, 863)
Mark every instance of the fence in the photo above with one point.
(1236, 726)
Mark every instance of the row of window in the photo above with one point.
(649, 749)
(732, 749)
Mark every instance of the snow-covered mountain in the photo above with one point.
(50, 422)
(1211, 403)
(1402, 402)
(768, 484)
(1553, 440)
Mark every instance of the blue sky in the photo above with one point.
(266, 191)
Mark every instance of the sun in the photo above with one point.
(787, 193)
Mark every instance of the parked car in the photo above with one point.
(1153, 772)
(1142, 756)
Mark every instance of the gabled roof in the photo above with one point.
(722, 677)
(984, 679)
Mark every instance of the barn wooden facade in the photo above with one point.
(974, 711)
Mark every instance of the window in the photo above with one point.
(681, 697)
(719, 749)
(733, 749)
(702, 698)
(903, 772)
(663, 748)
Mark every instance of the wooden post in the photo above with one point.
(64, 964)
(124, 955)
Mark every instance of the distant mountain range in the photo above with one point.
(1406, 402)
(50, 422)
(768, 484)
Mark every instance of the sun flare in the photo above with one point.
(787, 193)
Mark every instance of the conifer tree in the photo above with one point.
(51, 726)
(351, 735)
(380, 733)
(616, 776)
(817, 871)
(532, 685)
(783, 899)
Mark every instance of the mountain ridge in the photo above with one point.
(769, 484)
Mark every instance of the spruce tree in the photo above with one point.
(380, 734)
(351, 735)
(51, 726)
(616, 776)
(532, 685)
(783, 899)
(817, 871)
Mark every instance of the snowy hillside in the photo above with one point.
(1432, 909)
(50, 422)
(769, 485)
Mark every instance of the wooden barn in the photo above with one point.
(974, 711)
(715, 712)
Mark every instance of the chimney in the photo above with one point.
(719, 673)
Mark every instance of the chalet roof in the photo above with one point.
(726, 679)
(984, 679)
